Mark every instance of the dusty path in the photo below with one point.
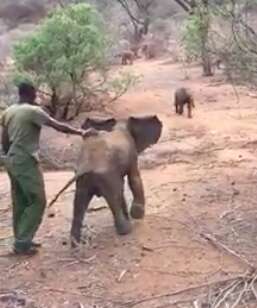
(200, 178)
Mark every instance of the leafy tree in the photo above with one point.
(238, 50)
(196, 34)
(69, 45)
(191, 36)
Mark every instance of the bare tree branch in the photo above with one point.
(144, 5)
(184, 5)
(126, 7)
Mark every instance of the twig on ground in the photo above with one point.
(131, 304)
(151, 249)
(231, 296)
(122, 274)
(96, 209)
(80, 260)
(231, 285)
(226, 213)
(218, 244)
(252, 286)
(227, 291)
(238, 300)
(61, 291)
(209, 296)
(180, 301)
(153, 269)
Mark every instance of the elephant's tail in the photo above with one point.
(73, 179)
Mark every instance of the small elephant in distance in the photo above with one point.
(104, 161)
(184, 97)
(127, 57)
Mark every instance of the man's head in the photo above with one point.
(27, 93)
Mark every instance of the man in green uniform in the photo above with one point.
(21, 126)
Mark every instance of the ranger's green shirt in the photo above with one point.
(23, 123)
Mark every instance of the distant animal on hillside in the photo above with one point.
(183, 97)
(127, 57)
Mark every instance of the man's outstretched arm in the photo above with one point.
(62, 127)
(40, 117)
(67, 129)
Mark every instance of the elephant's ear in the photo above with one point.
(99, 123)
(145, 131)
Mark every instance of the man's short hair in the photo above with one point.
(26, 89)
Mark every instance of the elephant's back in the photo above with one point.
(99, 154)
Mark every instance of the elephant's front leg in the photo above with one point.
(136, 185)
(176, 107)
(81, 202)
(112, 191)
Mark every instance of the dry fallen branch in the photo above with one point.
(61, 291)
(230, 296)
(234, 294)
(231, 252)
(80, 260)
(252, 286)
(228, 291)
(131, 304)
(97, 209)
(239, 298)
(122, 274)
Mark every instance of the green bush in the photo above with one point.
(67, 47)
(191, 36)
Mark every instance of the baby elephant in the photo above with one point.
(105, 159)
(127, 57)
(183, 97)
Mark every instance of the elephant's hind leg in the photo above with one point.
(189, 108)
(112, 191)
(81, 201)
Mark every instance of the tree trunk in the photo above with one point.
(54, 103)
(146, 25)
(206, 59)
(205, 25)
(206, 62)
(137, 34)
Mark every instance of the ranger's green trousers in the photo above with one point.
(28, 197)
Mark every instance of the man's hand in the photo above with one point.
(89, 132)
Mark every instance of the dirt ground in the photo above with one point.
(200, 182)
